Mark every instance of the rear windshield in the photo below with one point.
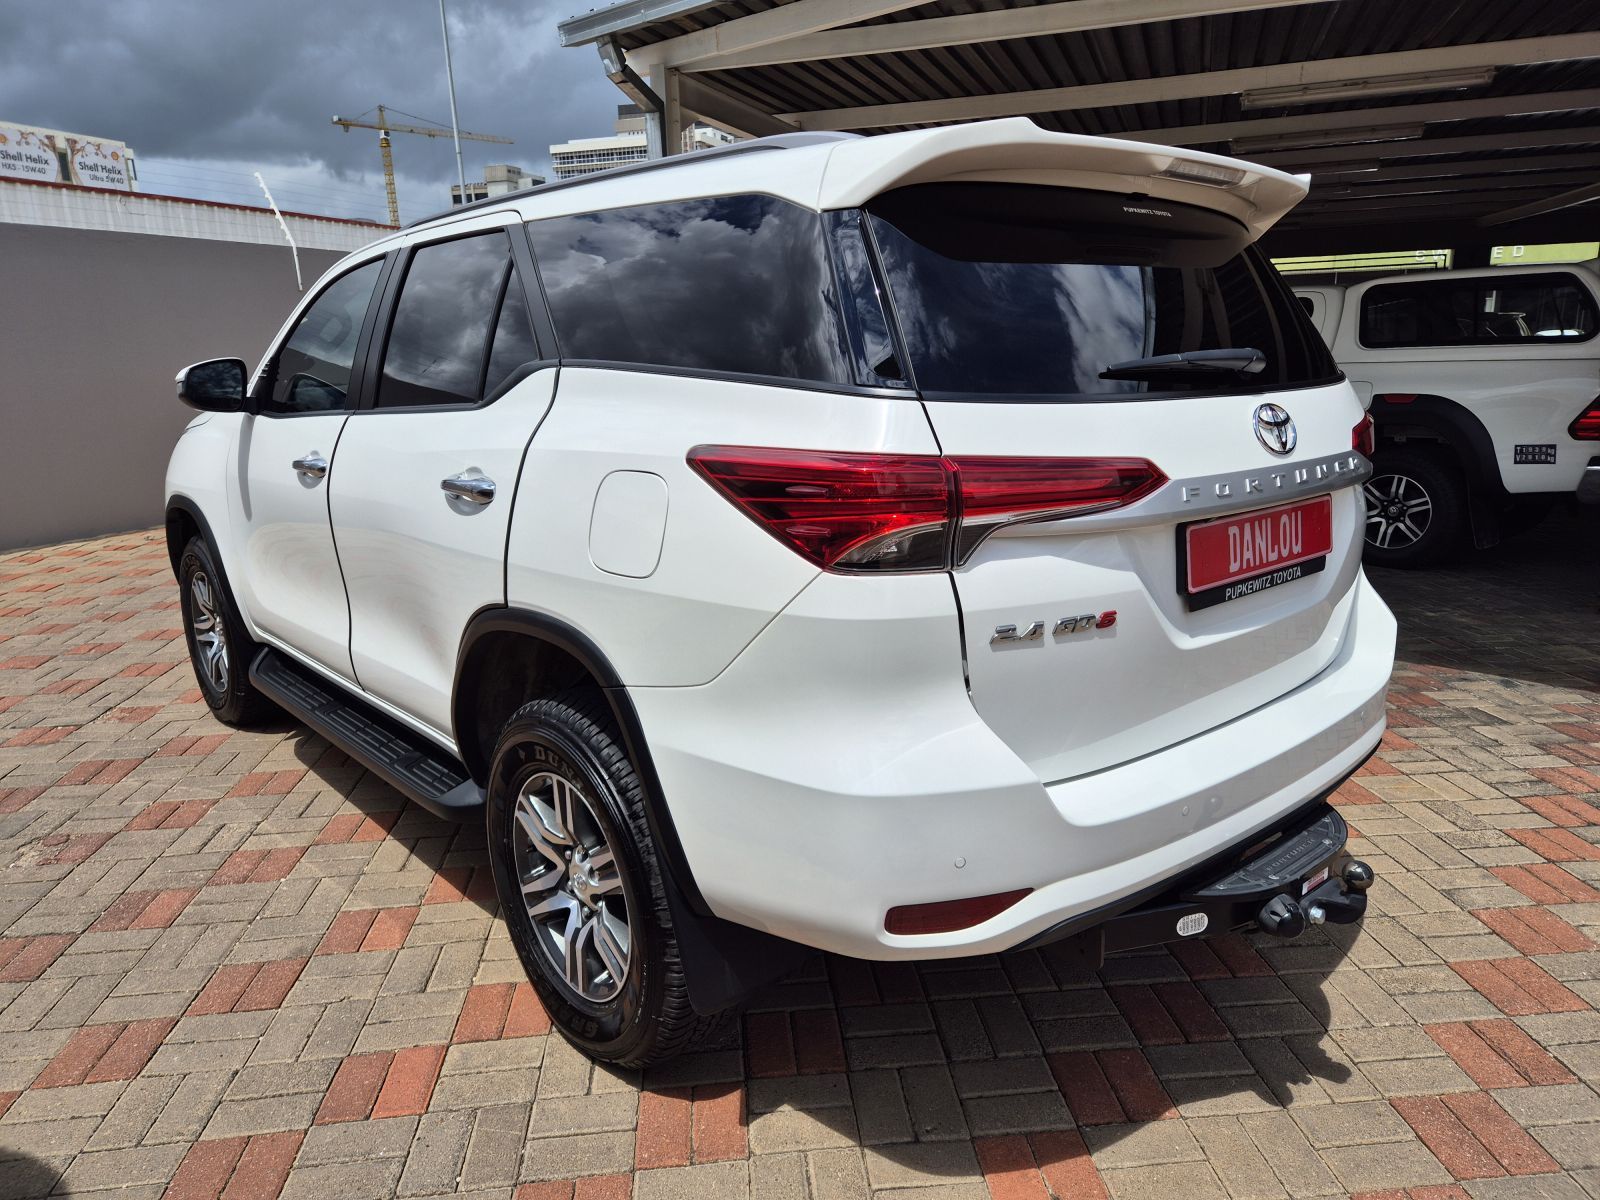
(1016, 290)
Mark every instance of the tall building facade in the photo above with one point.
(627, 143)
(498, 179)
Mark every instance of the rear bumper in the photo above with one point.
(1302, 874)
(838, 769)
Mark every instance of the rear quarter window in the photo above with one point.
(1519, 309)
(737, 285)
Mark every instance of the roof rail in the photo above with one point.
(779, 141)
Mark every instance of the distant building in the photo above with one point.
(628, 143)
(498, 179)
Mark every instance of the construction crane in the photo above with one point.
(385, 127)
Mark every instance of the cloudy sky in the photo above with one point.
(207, 91)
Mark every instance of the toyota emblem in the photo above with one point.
(1275, 428)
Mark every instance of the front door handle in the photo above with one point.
(312, 466)
(474, 489)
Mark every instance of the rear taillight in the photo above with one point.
(1587, 426)
(898, 512)
(1363, 438)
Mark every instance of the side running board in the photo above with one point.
(405, 760)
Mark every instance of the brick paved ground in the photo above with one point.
(231, 966)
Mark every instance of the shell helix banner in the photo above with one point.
(98, 164)
(28, 154)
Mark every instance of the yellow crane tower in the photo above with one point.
(385, 127)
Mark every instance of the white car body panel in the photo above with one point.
(417, 564)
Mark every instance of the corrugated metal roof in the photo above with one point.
(1305, 32)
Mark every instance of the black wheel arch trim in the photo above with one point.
(180, 503)
(1459, 428)
(552, 630)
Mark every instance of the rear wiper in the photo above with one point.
(1232, 360)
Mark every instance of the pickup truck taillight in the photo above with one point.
(1363, 438)
(1586, 427)
(852, 512)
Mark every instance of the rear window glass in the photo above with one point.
(732, 285)
(1513, 309)
(1018, 290)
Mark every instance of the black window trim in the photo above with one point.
(358, 363)
(521, 266)
(1477, 281)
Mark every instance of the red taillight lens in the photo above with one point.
(1363, 438)
(1587, 426)
(840, 511)
(895, 512)
(946, 916)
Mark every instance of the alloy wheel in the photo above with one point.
(210, 634)
(1399, 511)
(572, 886)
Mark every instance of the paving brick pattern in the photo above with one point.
(234, 967)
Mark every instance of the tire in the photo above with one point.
(1436, 496)
(560, 771)
(220, 648)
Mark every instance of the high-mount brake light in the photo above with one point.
(852, 512)
(1586, 426)
(1364, 437)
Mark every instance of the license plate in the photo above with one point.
(1251, 552)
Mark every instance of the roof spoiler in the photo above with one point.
(1016, 150)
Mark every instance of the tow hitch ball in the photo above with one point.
(1340, 901)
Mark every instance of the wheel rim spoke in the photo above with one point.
(210, 634)
(572, 886)
(1399, 511)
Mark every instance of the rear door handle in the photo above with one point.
(312, 466)
(474, 489)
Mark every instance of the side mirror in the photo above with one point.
(216, 385)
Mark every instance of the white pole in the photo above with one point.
(450, 77)
(283, 225)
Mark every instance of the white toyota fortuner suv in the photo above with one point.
(918, 546)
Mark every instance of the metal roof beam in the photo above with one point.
(1550, 204)
(1356, 172)
(725, 110)
(1324, 192)
(620, 18)
(1072, 16)
(1415, 147)
(1408, 114)
(760, 29)
(1516, 52)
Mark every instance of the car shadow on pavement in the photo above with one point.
(21, 1174)
(1545, 582)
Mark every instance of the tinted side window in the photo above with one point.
(1513, 309)
(737, 285)
(313, 368)
(440, 334)
(513, 338)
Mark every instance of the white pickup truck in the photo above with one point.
(1484, 386)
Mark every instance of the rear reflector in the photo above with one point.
(1587, 426)
(1363, 438)
(898, 512)
(946, 916)
(1396, 397)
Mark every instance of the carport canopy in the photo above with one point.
(1436, 124)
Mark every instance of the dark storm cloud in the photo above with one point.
(258, 80)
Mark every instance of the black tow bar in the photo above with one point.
(1340, 901)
